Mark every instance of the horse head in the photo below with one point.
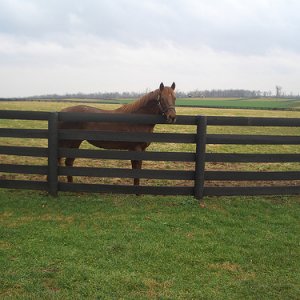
(166, 102)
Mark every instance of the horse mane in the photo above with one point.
(139, 104)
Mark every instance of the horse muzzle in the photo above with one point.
(171, 115)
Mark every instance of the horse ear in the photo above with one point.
(173, 86)
(161, 87)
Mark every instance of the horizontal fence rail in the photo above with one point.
(252, 190)
(126, 136)
(24, 133)
(253, 121)
(252, 139)
(251, 176)
(24, 151)
(248, 157)
(127, 155)
(23, 169)
(127, 173)
(198, 175)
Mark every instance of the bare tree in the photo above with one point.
(278, 91)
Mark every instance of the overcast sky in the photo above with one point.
(69, 46)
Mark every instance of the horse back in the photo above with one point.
(106, 126)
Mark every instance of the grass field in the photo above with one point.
(235, 103)
(247, 103)
(127, 247)
(256, 103)
(81, 246)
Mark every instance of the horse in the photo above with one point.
(157, 102)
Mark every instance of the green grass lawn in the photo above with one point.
(236, 103)
(242, 103)
(81, 246)
(256, 103)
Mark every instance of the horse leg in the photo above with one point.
(69, 161)
(136, 164)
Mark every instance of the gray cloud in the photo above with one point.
(235, 26)
(208, 43)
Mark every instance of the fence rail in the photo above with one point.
(198, 176)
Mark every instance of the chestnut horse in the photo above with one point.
(158, 102)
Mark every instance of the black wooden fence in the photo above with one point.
(198, 176)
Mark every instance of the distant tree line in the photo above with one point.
(231, 93)
(99, 95)
(215, 93)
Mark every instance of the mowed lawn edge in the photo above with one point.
(127, 247)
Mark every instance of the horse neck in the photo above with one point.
(145, 105)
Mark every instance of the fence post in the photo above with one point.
(200, 156)
(53, 154)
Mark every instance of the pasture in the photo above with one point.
(292, 104)
(241, 103)
(129, 247)
(255, 103)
